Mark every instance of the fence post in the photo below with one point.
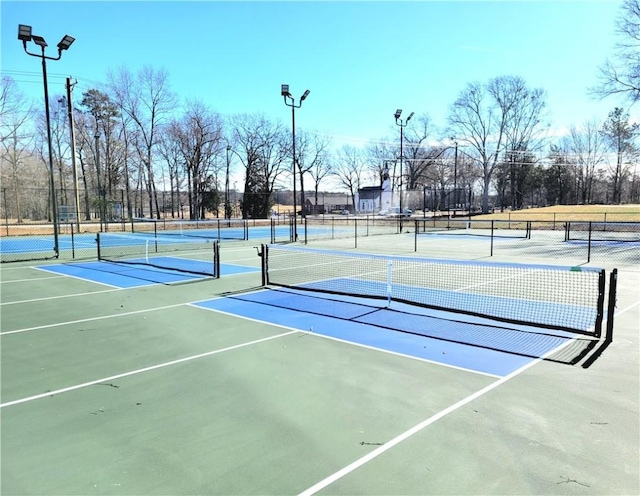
(491, 253)
(73, 245)
(355, 233)
(6, 211)
(589, 245)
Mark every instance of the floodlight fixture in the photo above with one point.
(24, 32)
(290, 101)
(38, 40)
(397, 114)
(66, 42)
(25, 35)
(410, 116)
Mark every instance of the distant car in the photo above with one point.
(395, 212)
(344, 212)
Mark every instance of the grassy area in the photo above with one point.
(564, 213)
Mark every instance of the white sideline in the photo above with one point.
(90, 319)
(145, 369)
(425, 423)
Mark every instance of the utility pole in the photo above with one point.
(74, 165)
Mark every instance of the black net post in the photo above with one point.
(98, 243)
(613, 288)
(600, 306)
(216, 259)
(415, 235)
(155, 235)
(264, 252)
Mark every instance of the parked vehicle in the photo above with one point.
(395, 212)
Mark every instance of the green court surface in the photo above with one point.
(155, 389)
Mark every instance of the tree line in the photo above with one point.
(135, 135)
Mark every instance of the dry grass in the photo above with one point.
(564, 213)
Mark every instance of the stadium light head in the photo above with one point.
(38, 40)
(397, 114)
(284, 91)
(66, 42)
(410, 116)
(305, 95)
(24, 32)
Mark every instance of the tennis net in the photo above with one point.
(231, 229)
(552, 297)
(616, 232)
(200, 257)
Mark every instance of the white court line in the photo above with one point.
(145, 369)
(90, 319)
(79, 278)
(32, 279)
(434, 418)
(417, 428)
(352, 343)
(60, 296)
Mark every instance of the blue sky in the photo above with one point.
(360, 60)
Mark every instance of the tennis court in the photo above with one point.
(283, 369)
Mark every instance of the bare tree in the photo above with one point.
(418, 153)
(15, 138)
(379, 154)
(619, 135)
(263, 148)
(621, 76)
(199, 138)
(485, 116)
(349, 169)
(147, 99)
(312, 159)
(169, 150)
(584, 147)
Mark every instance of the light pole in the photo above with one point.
(402, 123)
(227, 207)
(25, 35)
(290, 101)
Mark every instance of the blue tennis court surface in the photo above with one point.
(476, 345)
(131, 275)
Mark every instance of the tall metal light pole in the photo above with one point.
(290, 101)
(25, 35)
(227, 207)
(402, 123)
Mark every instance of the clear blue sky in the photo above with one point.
(361, 60)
